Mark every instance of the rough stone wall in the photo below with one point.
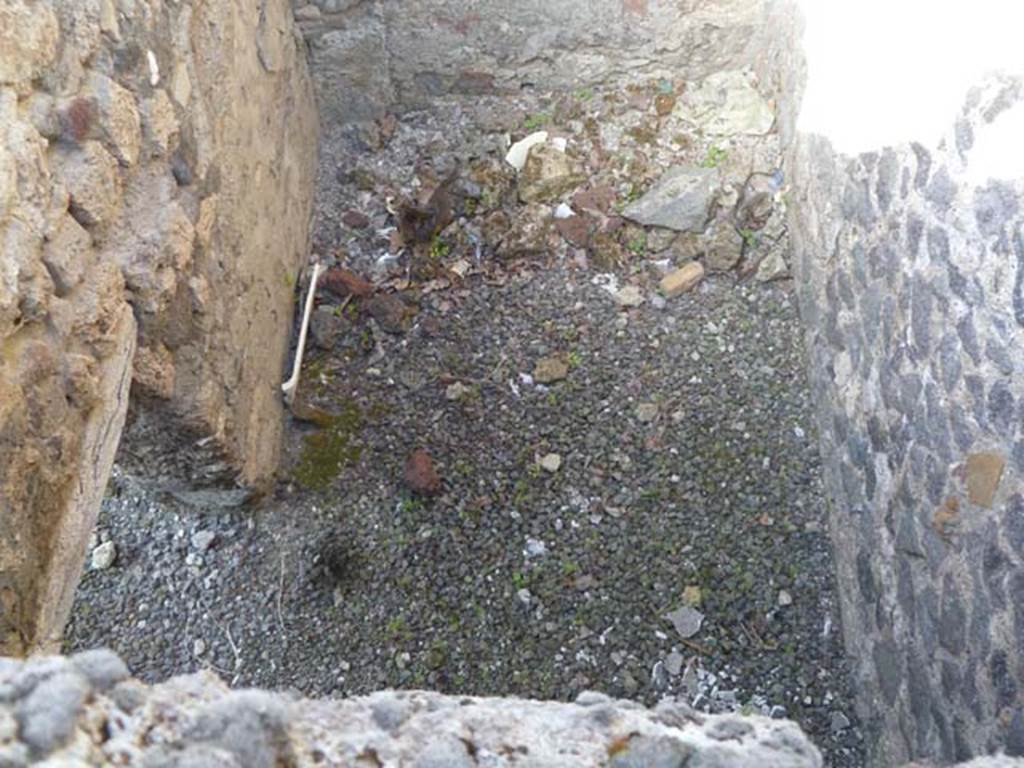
(371, 55)
(156, 166)
(911, 285)
(87, 711)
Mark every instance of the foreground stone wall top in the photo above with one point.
(87, 711)
(911, 282)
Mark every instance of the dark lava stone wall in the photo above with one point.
(911, 285)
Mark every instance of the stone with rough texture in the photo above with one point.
(196, 720)
(680, 200)
(920, 519)
(728, 104)
(549, 370)
(132, 223)
(369, 57)
(548, 175)
(682, 280)
(984, 471)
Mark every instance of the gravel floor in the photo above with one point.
(688, 479)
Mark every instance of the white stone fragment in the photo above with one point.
(552, 462)
(519, 151)
(154, 69)
(104, 556)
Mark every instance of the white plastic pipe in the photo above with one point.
(290, 386)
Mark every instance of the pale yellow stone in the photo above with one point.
(682, 280)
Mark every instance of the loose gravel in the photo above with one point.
(674, 467)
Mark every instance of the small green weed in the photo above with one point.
(533, 122)
(715, 157)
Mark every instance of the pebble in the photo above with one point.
(659, 676)
(682, 280)
(456, 391)
(785, 599)
(686, 620)
(674, 663)
(420, 475)
(203, 540)
(552, 462)
(104, 556)
(646, 412)
(839, 722)
(525, 597)
(198, 647)
(535, 548)
(550, 369)
(692, 595)
(630, 296)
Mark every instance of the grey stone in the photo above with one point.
(949, 356)
(921, 319)
(389, 712)
(47, 716)
(686, 620)
(1015, 734)
(941, 190)
(251, 725)
(726, 730)
(1002, 679)
(839, 722)
(964, 135)
(924, 164)
(1018, 285)
(953, 623)
(680, 200)
(994, 206)
(203, 540)
(674, 663)
(888, 172)
(101, 667)
(727, 104)
(889, 670)
(1001, 406)
(444, 751)
(969, 338)
(1014, 523)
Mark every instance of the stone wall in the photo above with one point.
(87, 711)
(371, 56)
(156, 166)
(911, 286)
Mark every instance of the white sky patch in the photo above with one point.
(884, 72)
(998, 151)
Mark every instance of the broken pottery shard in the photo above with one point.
(686, 620)
(420, 475)
(342, 282)
(519, 151)
(680, 200)
(727, 104)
